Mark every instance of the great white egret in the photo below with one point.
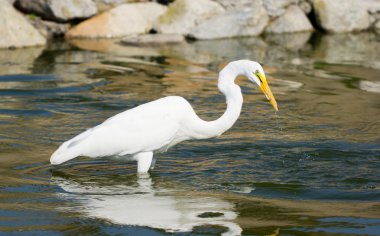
(155, 126)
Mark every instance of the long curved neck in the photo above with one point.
(234, 100)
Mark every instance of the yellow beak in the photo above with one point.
(268, 93)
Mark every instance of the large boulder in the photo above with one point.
(183, 15)
(15, 30)
(242, 18)
(293, 20)
(232, 24)
(58, 10)
(342, 16)
(126, 19)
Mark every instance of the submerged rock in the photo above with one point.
(293, 20)
(18, 61)
(342, 16)
(15, 29)
(292, 42)
(126, 19)
(58, 10)
(183, 15)
(370, 86)
(152, 39)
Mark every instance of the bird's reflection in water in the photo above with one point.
(143, 205)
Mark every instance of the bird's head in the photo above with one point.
(255, 73)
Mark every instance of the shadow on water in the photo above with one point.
(311, 168)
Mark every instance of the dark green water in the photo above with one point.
(310, 169)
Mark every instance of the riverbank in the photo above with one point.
(31, 23)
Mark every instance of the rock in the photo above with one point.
(293, 20)
(277, 7)
(183, 15)
(342, 16)
(234, 24)
(15, 29)
(58, 10)
(126, 19)
(370, 86)
(152, 39)
(49, 29)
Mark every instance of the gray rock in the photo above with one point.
(152, 39)
(277, 7)
(126, 19)
(58, 10)
(183, 15)
(342, 16)
(15, 29)
(293, 20)
(232, 24)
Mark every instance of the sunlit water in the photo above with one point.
(311, 168)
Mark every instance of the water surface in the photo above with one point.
(311, 168)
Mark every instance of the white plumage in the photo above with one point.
(158, 125)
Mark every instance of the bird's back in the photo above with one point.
(153, 126)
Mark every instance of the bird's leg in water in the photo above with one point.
(153, 163)
(144, 161)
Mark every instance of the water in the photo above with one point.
(312, 168)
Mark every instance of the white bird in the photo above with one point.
(155, 126)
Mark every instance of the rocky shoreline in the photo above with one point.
(33, 22)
